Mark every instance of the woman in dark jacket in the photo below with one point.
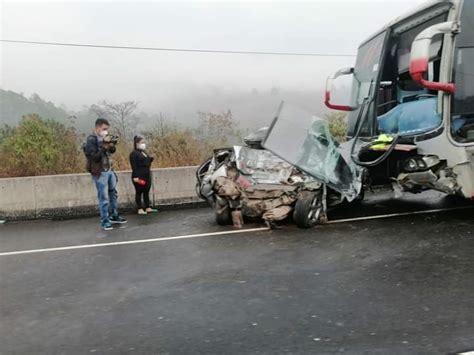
(140, 162)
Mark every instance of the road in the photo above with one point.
(401, 285)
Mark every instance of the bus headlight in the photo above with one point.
(420, 163)
(411, 165)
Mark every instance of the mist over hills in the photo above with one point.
(14, 105)
(251, 108)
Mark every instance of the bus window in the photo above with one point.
(403, 107)
(463, 102)
(407, 87)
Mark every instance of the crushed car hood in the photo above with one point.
(263, 166)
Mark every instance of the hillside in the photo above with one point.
(13, 106)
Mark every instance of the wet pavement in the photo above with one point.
(389, 286)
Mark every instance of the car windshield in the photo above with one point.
(304, 140)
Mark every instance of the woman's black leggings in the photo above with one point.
(142, 191)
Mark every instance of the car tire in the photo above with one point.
(223, 214)
(308, 210)
(360, 198)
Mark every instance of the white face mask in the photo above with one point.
(141, 146)
(103, 133)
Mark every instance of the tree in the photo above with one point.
(337, 125)
(275, 91)
(217, 129)
(121, 116)
(98, 110)
(5, 132)
(173, 145)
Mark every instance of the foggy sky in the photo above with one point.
(77, 76)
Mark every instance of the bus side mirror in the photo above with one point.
(329, 81)
(420, 56)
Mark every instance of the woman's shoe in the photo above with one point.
(151, 210)
(141, 211)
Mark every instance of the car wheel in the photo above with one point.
(308, 210)
(223, 213)
(360, 197)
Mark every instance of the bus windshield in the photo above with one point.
(366, 71)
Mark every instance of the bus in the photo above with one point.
(410, 115)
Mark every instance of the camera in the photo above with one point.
(112, 138)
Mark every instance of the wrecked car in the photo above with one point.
(249, 181)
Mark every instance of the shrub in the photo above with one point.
(45, 147)
(39, 147)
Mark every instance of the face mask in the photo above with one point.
(103, 133)
(141, 146)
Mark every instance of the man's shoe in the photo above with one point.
(107, 226)
(118, 220)
(141, 212)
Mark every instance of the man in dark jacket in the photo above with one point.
(99, 148)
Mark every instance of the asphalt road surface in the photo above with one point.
(401, 285)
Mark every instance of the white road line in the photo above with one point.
(238, 231)
(381, 216)
(139, 241)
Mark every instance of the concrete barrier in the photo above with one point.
(75, 194)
